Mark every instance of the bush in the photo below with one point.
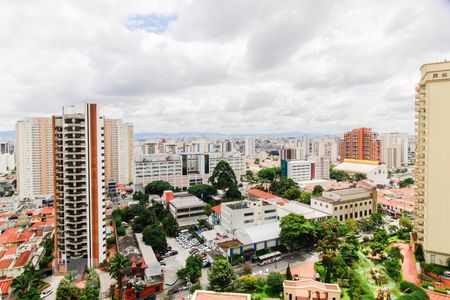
(412, 292)
(275, 282)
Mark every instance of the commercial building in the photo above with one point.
(305, 170)
(184, 169)
(310, 289)
(118, 151)
(34, 158)
(360, 144)
(396, 202)
(373, 170)
(79, 194)
(249, 146)
(394, 149)
(246, 213)
(353, 203)
(433, 162)
(187, 210)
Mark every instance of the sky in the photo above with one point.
(234, 66)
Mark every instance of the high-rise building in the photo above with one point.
(6, 147)
(249, 146)
(360, 144)
(34, 158)
(327, 147)
(118, 151)
(79, 194)
(433, 162)
(394, 149)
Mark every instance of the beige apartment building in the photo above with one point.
(33, 155)
(118, 151)
(433, 161)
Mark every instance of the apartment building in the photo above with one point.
(246, 213)
(250, 149)
(184, 169)
(79, 194)
(361, 144)
(326, 147)
(33, 157)
(6, 162)
(352, 203)
(306, 147)
(118, 151)
(187, 210)
(6, 147)
(394, 150)
(432, 161)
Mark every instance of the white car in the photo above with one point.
(46, 293)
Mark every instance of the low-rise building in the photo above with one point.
(352, 203)
(373, 170)
(396, 201)
(210, 295)
(310, 289)
(187, 210)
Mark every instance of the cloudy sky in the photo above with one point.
(234, 66)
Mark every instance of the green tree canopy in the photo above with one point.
(339, 175)
(233, 193)
(318, 189)
(155, 236)
(158, 187)
(359, 177)
(117, 268)
(222, 276)
(203, 191)
(275, 282)
(279, 187)
(305, 197)
(406, 182)
(193, 269)
(223, 176)
(296, 231)
(141, 197)
(267, 174)
(292, 194)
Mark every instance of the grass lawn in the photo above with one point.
(264, 292)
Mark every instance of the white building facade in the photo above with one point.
(394, 149)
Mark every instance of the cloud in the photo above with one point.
(227, 66)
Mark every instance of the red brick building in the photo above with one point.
(361, 144)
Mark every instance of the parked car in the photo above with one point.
(45, 293)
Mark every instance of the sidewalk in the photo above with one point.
(409, 263)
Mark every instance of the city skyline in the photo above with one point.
(177, 66)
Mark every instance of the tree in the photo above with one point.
(155, 236)
(359, 177)
(405, 224)
(296, 231)
(352, 225)
(292, 194)
(377, 218)
(288, 272)
(157, 187)
(203, 191)
(233, 193)
(339, 175)
(170, 225)
(305, 197)
(223, 176)
(247, 283)
(193, 269)
(376, 247)
(249, 174)
(117, 267)
(141, 197)
(328, 247)
(143, 218)
(66, 290)
(27, 283)
(349, 249)
(267, 173)
(406, 182)
(380, 235)
(317, 191)
(279, 187)
(222, 276)
(194, 287)
(275, 282)
(246, 269)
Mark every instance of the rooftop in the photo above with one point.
(302, 209)
(259, 233)
(210, 295)
(261, 194)
(358, 167)
(186, 202)
(309, 283)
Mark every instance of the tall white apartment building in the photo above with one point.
(250, 146)
(118, 151)
(327, 147)
(305, 170)
(184, 169)
(78, 143)
(394, 149)
(433, 162)
(34, 158)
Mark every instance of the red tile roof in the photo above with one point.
(5, 263)
(261, 194)
(23, 259)
(20, 237)
(7, 234)
(2, 253)
(5, 285)
(217, 209)
(48, 210)
(50, 221)
(11, 251)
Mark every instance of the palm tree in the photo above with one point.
(117, 266)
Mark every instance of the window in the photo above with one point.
(248, 214)
(435, 75)
(433, 258)
(340, 218)
(365, 213)
(351, 215)
(444, 74)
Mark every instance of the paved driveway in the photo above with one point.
(53, 280)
